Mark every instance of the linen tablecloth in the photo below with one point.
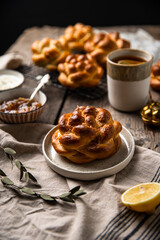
(97, 215)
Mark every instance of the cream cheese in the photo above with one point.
(8, 81)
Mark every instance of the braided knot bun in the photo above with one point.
(155, 76)
(87, 134)
(80, 70)
(49, 53)
(75, 36)
(103, 43)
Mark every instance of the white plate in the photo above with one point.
(15, 77)
(92, 170)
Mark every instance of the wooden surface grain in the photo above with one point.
(61, 101)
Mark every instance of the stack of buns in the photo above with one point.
(86, 134)
(49, 53)
(103, 43)
(76, 36)
(80, 70)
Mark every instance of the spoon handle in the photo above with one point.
(42, 82)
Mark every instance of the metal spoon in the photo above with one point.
(43, 81)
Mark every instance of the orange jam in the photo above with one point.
(20, 105)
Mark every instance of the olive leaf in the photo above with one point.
(21, 173)
(28, 191)
(67, 199)
(10, 157)
(2, 173)
(9, 151)
(75, 189)
(32, 177)
(23, 170)
(47, 197)
(65, 195)
(18, 164)
(30, 168)
(6, 180)
(79, 193)
(72, 194)
(26, 176)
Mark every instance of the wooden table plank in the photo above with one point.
(59, 103)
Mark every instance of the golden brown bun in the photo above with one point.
(48, 53)
(75, 36)
(80, 70)
(103, 43)
(155, 76)
(87, 134)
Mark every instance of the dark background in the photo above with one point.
(17, 15)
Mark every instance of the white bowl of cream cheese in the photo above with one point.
(10, 79)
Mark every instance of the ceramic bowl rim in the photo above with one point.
(10, 72)
(28, 111)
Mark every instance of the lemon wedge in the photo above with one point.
(143, 197)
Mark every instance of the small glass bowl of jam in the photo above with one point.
(15, 106)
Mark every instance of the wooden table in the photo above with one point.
(61, 101)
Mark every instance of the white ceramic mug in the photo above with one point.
(128, 85)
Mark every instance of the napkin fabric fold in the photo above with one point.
(97, 215)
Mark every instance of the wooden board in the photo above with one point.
(61, 101)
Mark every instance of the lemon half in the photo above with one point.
(143, 197)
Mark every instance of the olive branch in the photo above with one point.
(23, 169)
(69, 196)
